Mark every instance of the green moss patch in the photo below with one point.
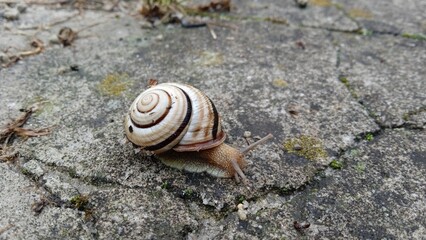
(414, 36)
(306, 146)
(350, 88)
(369, 137)
(360, 13)
(336, 164)
(80, 202)
(360, 167)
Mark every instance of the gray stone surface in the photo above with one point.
(314, 79)
(394, 17)
(19, 195)
(387, 78)
(387, 183)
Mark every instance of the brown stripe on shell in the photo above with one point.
(179, 131)
(156, 121)
(149, 110)
(216, 120)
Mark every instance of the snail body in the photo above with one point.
(181, 126)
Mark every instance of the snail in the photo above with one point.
(181, 126)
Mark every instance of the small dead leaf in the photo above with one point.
(24, 132)
(173, 11)
(300, 44)
(67, 36)
(167, 12)
(215, 6)
(152, 82)
(15, 57)
(9, 129)
(7, 154)
(37, 207)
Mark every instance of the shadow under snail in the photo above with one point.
(181, 126)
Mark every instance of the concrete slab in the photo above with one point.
(244, 80)
(319, 86)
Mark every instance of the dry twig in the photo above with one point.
(36, 43)
(212, 32)
(15, 127)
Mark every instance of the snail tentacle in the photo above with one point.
(239, 171)
(255, 144)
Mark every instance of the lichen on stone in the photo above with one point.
(360, 13)
(114, 84)
(321, 3)
(208, 59)
(350, 88)
(306, 146)
(280, 83)
(360, 167)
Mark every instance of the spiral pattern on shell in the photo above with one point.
(173, 116)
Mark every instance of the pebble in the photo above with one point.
(159, 37)
(242, 214)
(247, 134)
(53, 39)
(4, 58)
(146, 25)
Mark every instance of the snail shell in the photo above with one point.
(174, 116)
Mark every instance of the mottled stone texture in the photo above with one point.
(337, 81)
